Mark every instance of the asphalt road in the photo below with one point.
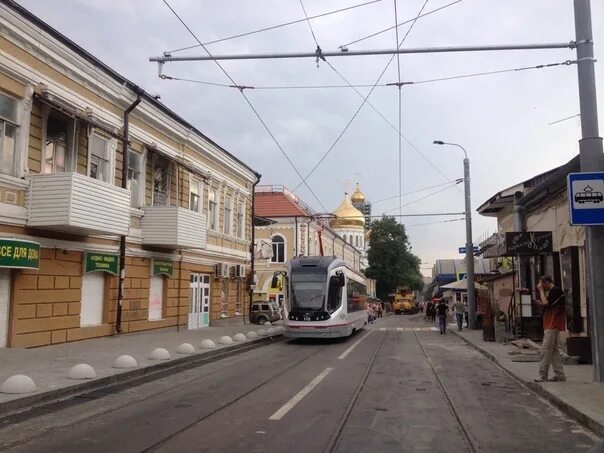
(396, 386)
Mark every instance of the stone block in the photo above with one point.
(46, 282)
(43, 310)
(60, 309)
(46, 324)
(30, 340)
(58, 336)
(24, 281)
(75, 282)
(74, 308)
(61, 282)
(56, 267)
(58, 295)
(47, 254)
(134, 282)
(145, 283)
(171, 312)
(64, 255)
(25, 311)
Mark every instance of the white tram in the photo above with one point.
(325, 298)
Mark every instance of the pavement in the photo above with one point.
(396, 386)
(48, 366)
(579, 397)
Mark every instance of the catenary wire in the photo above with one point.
(424, 197)
(433, 223)
(457, 181)
(273, 27)
(402, 23)
(249, 103)
(362, 103)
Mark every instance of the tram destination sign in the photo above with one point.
(528, 242)
(19, 254)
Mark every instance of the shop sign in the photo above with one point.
(528, 242)
(162, 267)
(100, 262)
(19, 254)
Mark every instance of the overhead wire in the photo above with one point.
(248, 102)
(379, 200)
(400, 116)
(433, 223)
(272, 27)
(424, 197)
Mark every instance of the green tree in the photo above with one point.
(391, 262)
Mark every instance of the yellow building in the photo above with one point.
(184, 209)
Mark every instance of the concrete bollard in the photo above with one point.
(208, 344)
(185, 348)
(225, 340)
(262, 332)
(124, 362)
(267, 324)
(160, 354)
(271, 331)
(81, 371)
(239, 337)
(251, 335)
(19, 383)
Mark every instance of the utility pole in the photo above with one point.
(592, 160)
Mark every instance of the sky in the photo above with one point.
(502, 120)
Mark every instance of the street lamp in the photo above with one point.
(469, 245)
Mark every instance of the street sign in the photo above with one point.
(586, 198)
(462, 250)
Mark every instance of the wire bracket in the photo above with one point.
(319, 54)
(242, 87)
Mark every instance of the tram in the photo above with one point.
(326, 298)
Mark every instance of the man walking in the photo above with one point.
(459, 308)
(552, 299)
(441, 310)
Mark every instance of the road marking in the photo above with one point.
(301, 394)
(382, 329)
(400, 329)
(354, 345)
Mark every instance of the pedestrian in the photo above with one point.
(552, 299)
(441, 310)
(380, 310)
(459, 308)
(465, 314)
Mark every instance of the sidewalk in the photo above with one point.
(579, 398)
(48, 366)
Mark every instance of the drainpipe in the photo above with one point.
(296, 237)
(252, 248)
(122, 260)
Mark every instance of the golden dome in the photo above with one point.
(347, 215)
(357, 196)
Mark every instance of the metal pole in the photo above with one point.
(469, 246)
(356, 53)
(590, 149)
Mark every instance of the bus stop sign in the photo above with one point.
(586, 198)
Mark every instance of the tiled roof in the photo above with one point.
(277, 204)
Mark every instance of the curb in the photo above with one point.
(584, 420)
(137, 376)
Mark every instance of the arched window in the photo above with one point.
(278, 249)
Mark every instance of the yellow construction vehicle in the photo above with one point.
(403, 302)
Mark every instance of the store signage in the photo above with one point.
(100, 262)
(19, 254)
(586, 198)
(162, 267)
(528, 242)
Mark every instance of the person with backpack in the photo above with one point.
(441, 310)
(551, 298)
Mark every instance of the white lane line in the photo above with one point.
(354, 345)
(400, 329)
(301, 394)
(383, 329)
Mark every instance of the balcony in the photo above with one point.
(76, 204)
(173, 227)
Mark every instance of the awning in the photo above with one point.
(462, 285)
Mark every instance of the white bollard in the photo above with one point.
(19, 383)
(208, 344)
(81, 371)
(125, 361)
(239, 337)
(251, 335)
(185, 348)
(262, 332)
(271, 331)
(267, 324)
(160, 354)
(225, 340)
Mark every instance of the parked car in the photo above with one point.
(265, 311)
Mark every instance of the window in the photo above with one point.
(334, 294)
(278, 250)
(8, 134)
(136, 178)
(161, 181)
(240, 219)
(195, 192)
(99, 154)
(357, 241)
(228, 214)
(58, 144)
(356, 296)
(212, 210)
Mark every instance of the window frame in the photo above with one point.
(110, 145)
(212, 214)
(14, 122)
(70, 141)
(227, 224)
(240, 219)
(283, 242)
(158, 158)
(198, 182)
(143, 177)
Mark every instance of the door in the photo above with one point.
(4, 296)
(199, 301)
(93, 295)
(156, 296)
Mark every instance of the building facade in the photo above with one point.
(184, 209)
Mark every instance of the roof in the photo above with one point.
(554, 184)
(347, 215)
(39, 23)
(277, 201)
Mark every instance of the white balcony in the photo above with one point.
(173, 227)
(77, 204)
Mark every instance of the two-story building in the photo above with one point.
(73, 186)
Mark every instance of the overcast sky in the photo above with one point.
(502, 120)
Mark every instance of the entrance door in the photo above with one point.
(93, 294)
(4, 296)
(156, 296)
(199, 301)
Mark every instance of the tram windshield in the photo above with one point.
(308, 292)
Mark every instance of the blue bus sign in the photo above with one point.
(586, 198)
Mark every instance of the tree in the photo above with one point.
(391, 262)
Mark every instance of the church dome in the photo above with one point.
(357, 196)
(347, 215)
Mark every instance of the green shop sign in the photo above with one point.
(100, 262)
(19, 254)
(164, 267)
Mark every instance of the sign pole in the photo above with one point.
(592, 160)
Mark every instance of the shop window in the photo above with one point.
(8, 135)
(100, 157)
(195, 193)
(212, 221)
(278, 249)
(228, 214)
(59, 143)
(240, 219)
(136, 178)
(161, 181)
